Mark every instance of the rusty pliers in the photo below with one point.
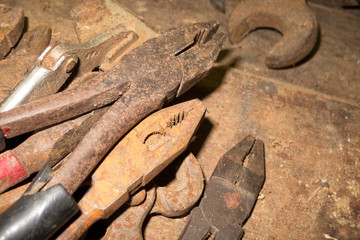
(171, 198)
(159, 70)
(135, 161)
(230, 194)
(140, 156)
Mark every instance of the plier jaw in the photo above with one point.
(230, 194)
(197, 56)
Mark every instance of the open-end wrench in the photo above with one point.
(159, 70)
(230, 194)
(172, 200)
(58, 61)
(140, 156)
(11, 27)
(294, 19)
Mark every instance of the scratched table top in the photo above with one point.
(307, 115)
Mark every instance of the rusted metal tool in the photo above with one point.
(294, 19)
(172, 200)
(11, 27)
(230, 194)
(58, 61)
(50, 145)
(103, 42)
(94, 93)
(46, 147)
(92, 17)
(135, 161)
(163, 67)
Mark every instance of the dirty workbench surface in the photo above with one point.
(307, 116)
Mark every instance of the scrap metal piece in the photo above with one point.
(230, 194)
(294, 19)
(163, 67)
(140, 156)
(172, 199)
(58, 61)
(11, 27)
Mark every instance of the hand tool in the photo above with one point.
(140, 156)
(230, 194)
(58, 61)
(38, 215)
(11, 27)
(160, 137)
(45, 147)
(91, 17)
(94, 93)
(173, 199)
(104, 21)
(102, 45)
(163, 67)
(52, 144)
(294, 19)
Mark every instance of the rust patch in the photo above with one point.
(232, 200)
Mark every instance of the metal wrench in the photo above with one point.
(230, 194)
(58, 61)
(294, 19)
(135, 161)
(172, 200)
(163, 67)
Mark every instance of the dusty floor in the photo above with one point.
(307, 116)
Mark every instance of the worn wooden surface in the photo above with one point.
(307, 116)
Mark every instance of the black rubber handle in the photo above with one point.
(39, 215)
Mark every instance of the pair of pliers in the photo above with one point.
(231, 193)
(157, 71)
(140, 156)
(172, 194)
